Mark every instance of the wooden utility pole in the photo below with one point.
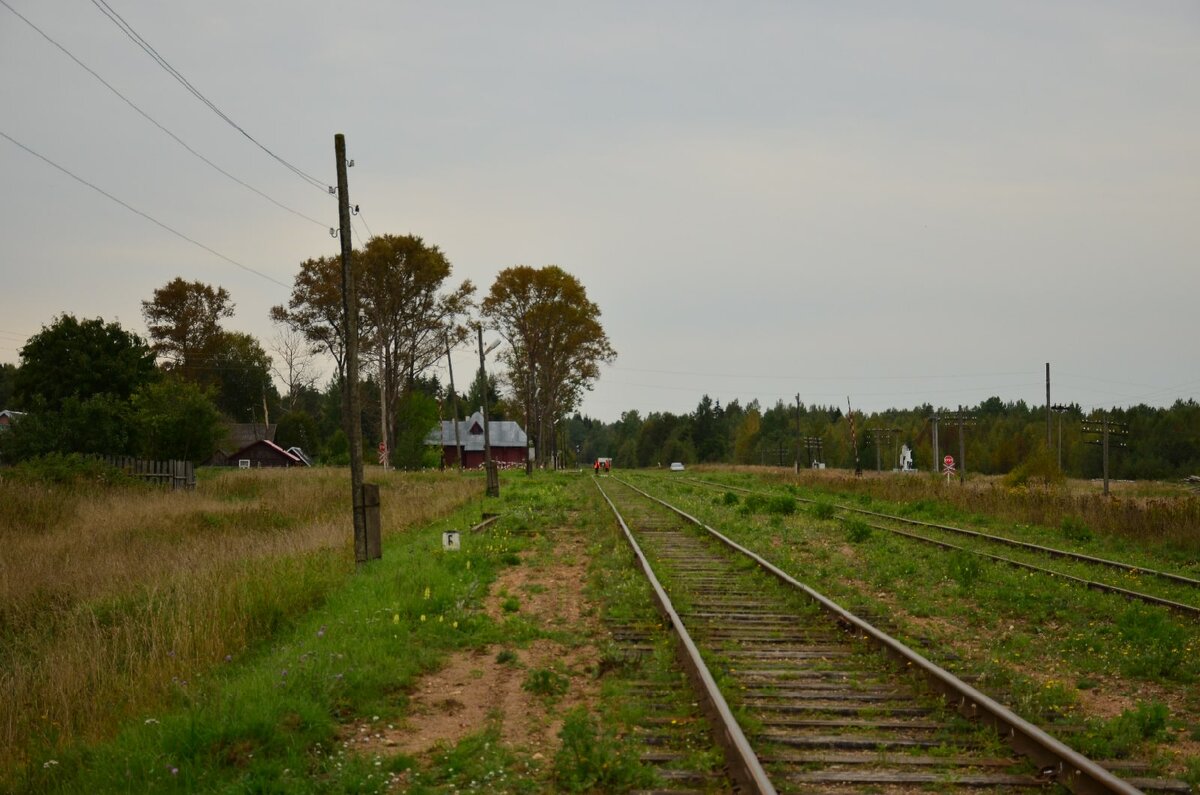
(1105, 429)
(798, 438)
(1049, 436)
(937, 456)
(350, 326)
(454, 394)
(493, 477)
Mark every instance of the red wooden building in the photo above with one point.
(508, 440)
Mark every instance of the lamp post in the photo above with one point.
(493, 477)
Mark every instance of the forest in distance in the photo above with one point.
(1000, 437)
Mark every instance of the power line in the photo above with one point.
(153, 121)
(821, 377)
(133, 209)
(146, 47)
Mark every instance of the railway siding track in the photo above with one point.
(1177, 580)
(819, 707)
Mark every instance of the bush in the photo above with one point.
(1075, 529)
(730, 498)
(69, 469)
(784, 506)
(1119, 737)
(593, 760)
(857, 530)
(823, 510)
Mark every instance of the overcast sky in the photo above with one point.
(895, 202)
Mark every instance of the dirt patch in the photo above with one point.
(478, 689)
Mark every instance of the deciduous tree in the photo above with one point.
(184, 320)
(81, 359)
(556, 343)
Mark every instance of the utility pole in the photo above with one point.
(1049, 439)
(1058, 409)
(853, 438)
(528, 402)
(963, 421)
(1105, 429)
(350, 325)
(493, 477)
(797, 433)
(937, 457)
(454, 393)
(880, 437)
(811, 444)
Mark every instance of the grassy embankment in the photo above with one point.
(220, 642)
(1118, 678)
(115, 599)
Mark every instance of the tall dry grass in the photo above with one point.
(1144, 513)
(112, 599)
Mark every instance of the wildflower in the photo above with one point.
(321, 632)
(395, 618)
(49, 763)
(422, 616)
(149, 721)
(455, 625)
(426, 591)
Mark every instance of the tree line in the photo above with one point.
(90, 386)
(1003, 438)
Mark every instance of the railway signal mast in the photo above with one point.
(880, 437)
(963, 421)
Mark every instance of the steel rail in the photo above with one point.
(1057, 760)
(743, 763)
(1095, 586)
(1050, 551)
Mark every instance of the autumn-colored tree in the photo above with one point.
(556, 343)
(406, 316)
(184, 320)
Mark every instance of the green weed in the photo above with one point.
(857, 531)
(1075, 529)
(592, 759)
(546, 683)
(1119, 737)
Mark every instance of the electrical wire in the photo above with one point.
(775, 377)
(146, 47)
(153, 121)
(136, 211)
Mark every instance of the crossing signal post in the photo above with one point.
(963, 421)
(1108, 434)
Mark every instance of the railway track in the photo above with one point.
(818, 704)
(1174, 605)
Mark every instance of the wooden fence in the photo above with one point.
(176, 474)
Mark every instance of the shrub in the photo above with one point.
(823, 510)
(1119, 737)
(593, 760)
(1075, 529)
(857, 530)
(784, 506)
(730, 498)
(70, 469)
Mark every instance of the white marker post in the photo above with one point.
(949, 462)
(451, 540)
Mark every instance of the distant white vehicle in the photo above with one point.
(676, 466)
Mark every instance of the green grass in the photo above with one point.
(270, 717)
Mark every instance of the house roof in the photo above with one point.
(239, 435)
(292, 457)
(503, 433)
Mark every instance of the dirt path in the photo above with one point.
(478, 689)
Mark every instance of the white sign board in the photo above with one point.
(243, 463)
(451, 540)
